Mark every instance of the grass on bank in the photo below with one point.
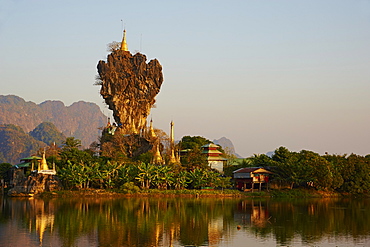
(129, 191)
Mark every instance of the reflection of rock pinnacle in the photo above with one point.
(129, 87)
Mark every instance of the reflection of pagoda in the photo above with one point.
(44, 219)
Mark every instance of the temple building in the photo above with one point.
(27, 164)
(34, 164)
(214, 158)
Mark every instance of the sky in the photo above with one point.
(263, 74)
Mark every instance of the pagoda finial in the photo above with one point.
(157, 158)
(124, 43)
(172, 143)
(43, 166)
(151, 129)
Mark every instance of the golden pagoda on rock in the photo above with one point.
(124, 46)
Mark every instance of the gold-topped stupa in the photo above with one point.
(43, 164)
(124, 46)
(44, 168)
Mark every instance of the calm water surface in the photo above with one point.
(184, 222)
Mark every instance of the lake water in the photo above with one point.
(184, 222)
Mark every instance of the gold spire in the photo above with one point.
(43, 165)
(151, 129)
(157, 158)
(172, 134)
(124, 44)
(172, 143)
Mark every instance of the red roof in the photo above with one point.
(252, 169)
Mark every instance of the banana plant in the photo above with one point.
(180, 180)
(145, 175)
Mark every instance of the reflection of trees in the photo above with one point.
(185, 221)
(311, 219)
(142, 222)
(255, 215)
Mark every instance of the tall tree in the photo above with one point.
(71, 153)
(191, 152)
(356, 174)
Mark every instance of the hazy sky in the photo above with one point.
(261, 73)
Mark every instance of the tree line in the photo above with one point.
(329, 172)
(87, 168)
(81, 169)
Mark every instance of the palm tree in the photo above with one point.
(197, 178)
(145, 175)
(181, 180)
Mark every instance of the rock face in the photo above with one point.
(129, 86)
(227, 145)
(34, 184)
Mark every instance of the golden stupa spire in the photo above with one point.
(124, 43)
(157, 158)
(43, 166)
(172, 143)
(151, 129)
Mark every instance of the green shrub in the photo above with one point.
(129, 188)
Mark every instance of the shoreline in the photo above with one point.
(294, 193)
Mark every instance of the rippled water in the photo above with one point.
(184, 222)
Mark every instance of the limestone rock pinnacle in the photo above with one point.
(129, 86)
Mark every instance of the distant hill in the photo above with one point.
(226, 144)
(16, 144)
(48, 133)
(270, 154)
(80, 120)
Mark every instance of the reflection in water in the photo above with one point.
(252, 213)
(182, 222)
(44, 217)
